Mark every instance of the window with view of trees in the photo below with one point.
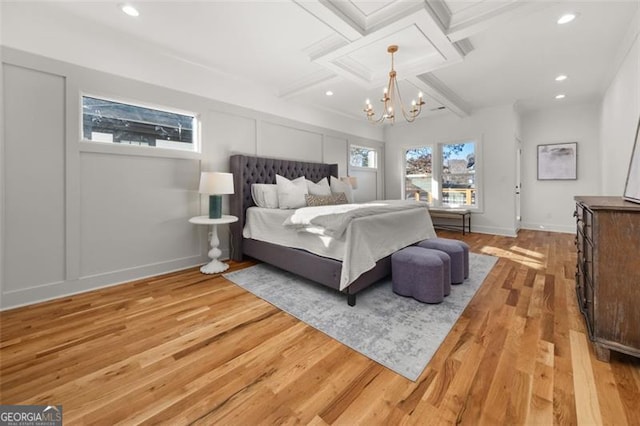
(419, 173)
(361, 156)
(116, 122)
(446, 179)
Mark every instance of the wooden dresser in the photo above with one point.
(608, 272)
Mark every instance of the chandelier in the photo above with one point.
(391, 98)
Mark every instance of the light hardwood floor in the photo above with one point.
(188, 348)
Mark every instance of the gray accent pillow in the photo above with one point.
(326, 200)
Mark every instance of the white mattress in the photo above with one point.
(266, 225)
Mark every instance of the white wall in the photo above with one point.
(83, 215)
(34, 178)
(619, 120)
(549, 204)
(51, 32)
(2, 162)
(370, 180)
(495, 128)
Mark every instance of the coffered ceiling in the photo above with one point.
(462, 55)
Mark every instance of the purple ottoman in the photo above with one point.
(418, 273)
(455, 252)
(465, 249)
(446, 272)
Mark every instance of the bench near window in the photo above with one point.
(452, 219)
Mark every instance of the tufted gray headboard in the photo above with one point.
(248, 170)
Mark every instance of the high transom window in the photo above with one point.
(362, 156)
(122, 123)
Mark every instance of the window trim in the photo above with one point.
(436, 152)
(371, 148)
(87, 145)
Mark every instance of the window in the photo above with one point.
(361, 156)
(419, 173)
(115, 122)
(447, 179)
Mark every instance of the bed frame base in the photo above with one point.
(315, 268)
(351, 299)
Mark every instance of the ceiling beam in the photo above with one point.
(436, 89)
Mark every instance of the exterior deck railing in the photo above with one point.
(463, 196)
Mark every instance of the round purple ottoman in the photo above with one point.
(417, 273)
(465, 249)
(455, 252)
(446, 271)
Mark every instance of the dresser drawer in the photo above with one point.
(587, 228)
(587, 260)
(579, 215)
(588, 307)
(584, 220)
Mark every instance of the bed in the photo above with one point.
(248, 170)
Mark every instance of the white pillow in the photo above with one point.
(265, 195)
(338, 186)
(291, 192)
(320, 188)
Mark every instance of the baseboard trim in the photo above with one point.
(549, 227)
(43, 293)
(492, 230)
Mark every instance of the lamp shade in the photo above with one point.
(351, 180)
(216, 183)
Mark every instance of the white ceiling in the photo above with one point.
(463, 55)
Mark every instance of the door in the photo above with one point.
(518, 188)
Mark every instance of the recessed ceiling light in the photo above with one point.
(129, 10)
(561, 77)
(566, 18)
(560, 96)
(328, 93)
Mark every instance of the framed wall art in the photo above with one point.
(558, 161)
(632, 186)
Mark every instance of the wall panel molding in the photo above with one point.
(173, 243)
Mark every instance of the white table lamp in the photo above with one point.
(216, 184)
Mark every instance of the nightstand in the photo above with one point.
(215, 266)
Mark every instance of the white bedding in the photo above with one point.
(266, 225)
(369, 234)
(335, 219)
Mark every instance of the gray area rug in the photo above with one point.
(398, 332)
